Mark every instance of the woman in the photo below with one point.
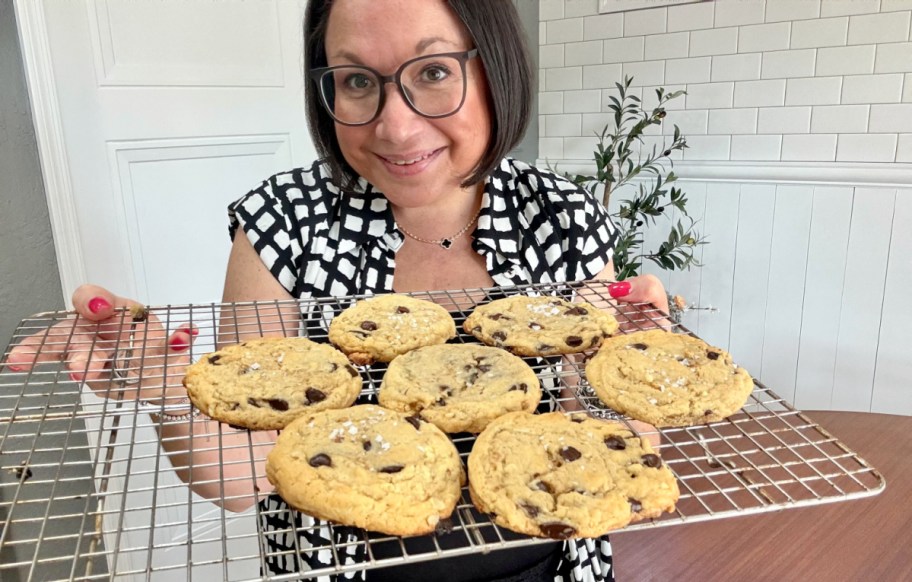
(413, 106)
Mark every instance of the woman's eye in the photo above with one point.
(358, 82)
(435, 73)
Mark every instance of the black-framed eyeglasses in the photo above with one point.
(434, 86)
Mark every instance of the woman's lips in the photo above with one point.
(410, 165)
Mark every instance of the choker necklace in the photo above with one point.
(444, 243)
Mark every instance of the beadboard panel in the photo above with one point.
(807, 286)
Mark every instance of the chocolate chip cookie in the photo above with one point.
(266, 383)
(540, 326)
(459, 387)
(668, 379)
(382, 327)
(368, 467)
(558, 476)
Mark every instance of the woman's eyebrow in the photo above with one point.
(420, 47)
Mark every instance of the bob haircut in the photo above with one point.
(495, 28)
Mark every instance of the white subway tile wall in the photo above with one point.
(766, 80)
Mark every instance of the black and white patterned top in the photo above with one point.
(534, 227)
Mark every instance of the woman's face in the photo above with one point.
(413, 160)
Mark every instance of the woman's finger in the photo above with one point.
(48, 345)
(641, 289)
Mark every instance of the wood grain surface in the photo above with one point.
(861, 539)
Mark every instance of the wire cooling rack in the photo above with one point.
(88, 492)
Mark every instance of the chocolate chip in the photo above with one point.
(23, 472)
(444, 526)
(484, 368)
(441, 401)
(574, 341)
(635, 505)
(253, 402)
(414, 420)
(234, 406)
(615, 443)
(707, 413)
(524, 387)
(368, 326)
(542, 486)
(403, 309)
(639, 346)
(651, 460)
(496, 316)
(576, 311)
(557, 530)
(351, 370)
(595, 341)
(570, 454)
(535, 326)
(499, 335)
(577, 419)
(277, 404)
(392, 469)
(213, 359)
(712, 355)
(366, 445)
(314, 395)
(320, 460)
(530, 510)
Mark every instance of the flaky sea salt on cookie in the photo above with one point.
(368, 467)
(382, 327)
(266, 383)
(668, 379)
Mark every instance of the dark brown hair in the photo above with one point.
(497, 33)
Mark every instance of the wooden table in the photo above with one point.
(862, 539)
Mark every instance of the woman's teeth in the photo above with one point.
(410, 162)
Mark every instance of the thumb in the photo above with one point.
(641, 289)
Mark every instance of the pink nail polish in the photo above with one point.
(177, 344)
(75, 377)
(97, 304)
(619, 289)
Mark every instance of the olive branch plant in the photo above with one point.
(622, 159)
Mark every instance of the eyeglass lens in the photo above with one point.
(434, 86)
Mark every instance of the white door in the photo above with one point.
(169, 110)
(153, 115)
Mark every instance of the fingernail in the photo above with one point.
(189, 330)
(619, 289)
(75, 377)
(97, 304)
(177, 344)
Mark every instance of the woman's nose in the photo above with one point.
(397, 121)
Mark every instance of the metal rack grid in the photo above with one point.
(87, 490)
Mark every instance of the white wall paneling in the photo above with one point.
(862, 298)
(808, 286)
(893, 365)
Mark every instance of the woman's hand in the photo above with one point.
(100, 332)
(641, 289)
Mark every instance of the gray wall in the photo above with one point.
(527, 150)
(29, 279)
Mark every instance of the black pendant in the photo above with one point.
(446, 243)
